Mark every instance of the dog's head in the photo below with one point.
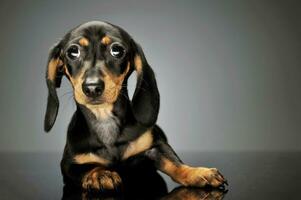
(97, 58)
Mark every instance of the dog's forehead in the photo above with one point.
(96, 30)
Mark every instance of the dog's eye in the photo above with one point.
(73, 52)
(117, 50)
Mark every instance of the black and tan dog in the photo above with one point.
(109, 131)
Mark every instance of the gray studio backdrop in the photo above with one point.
(228, 71)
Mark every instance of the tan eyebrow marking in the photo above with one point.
(106, 40)
(84, 41)
(90, 158)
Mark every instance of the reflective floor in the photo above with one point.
(256, 175)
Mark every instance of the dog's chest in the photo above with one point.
(106, 130)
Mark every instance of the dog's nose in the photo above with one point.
(93, 87)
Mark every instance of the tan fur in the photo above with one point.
(99, 178)
(106, 40)
(102, 111)
(53, 66)
(190, 176)
(90, 158)
(113, 85)
(83, 42)
(179, 173)
(142, 143)
(76, 82)
(138, 64)
(168, 167)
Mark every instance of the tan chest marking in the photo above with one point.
(90, 158)
(139, 145)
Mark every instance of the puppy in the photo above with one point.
(108, 131)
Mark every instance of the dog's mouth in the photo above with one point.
(81, 98)
(95, 101)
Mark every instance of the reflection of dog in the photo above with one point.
(185, 193)
(180, 193)
(108, 130)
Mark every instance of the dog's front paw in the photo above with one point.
(99, 179)
(200, 177)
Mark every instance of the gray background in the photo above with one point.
(228, 71)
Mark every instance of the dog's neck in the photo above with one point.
(104, 121)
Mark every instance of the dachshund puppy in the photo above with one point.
(108, 130)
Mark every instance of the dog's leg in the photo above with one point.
(168, 162)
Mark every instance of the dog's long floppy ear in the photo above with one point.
(54, 74)
(145, 102)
